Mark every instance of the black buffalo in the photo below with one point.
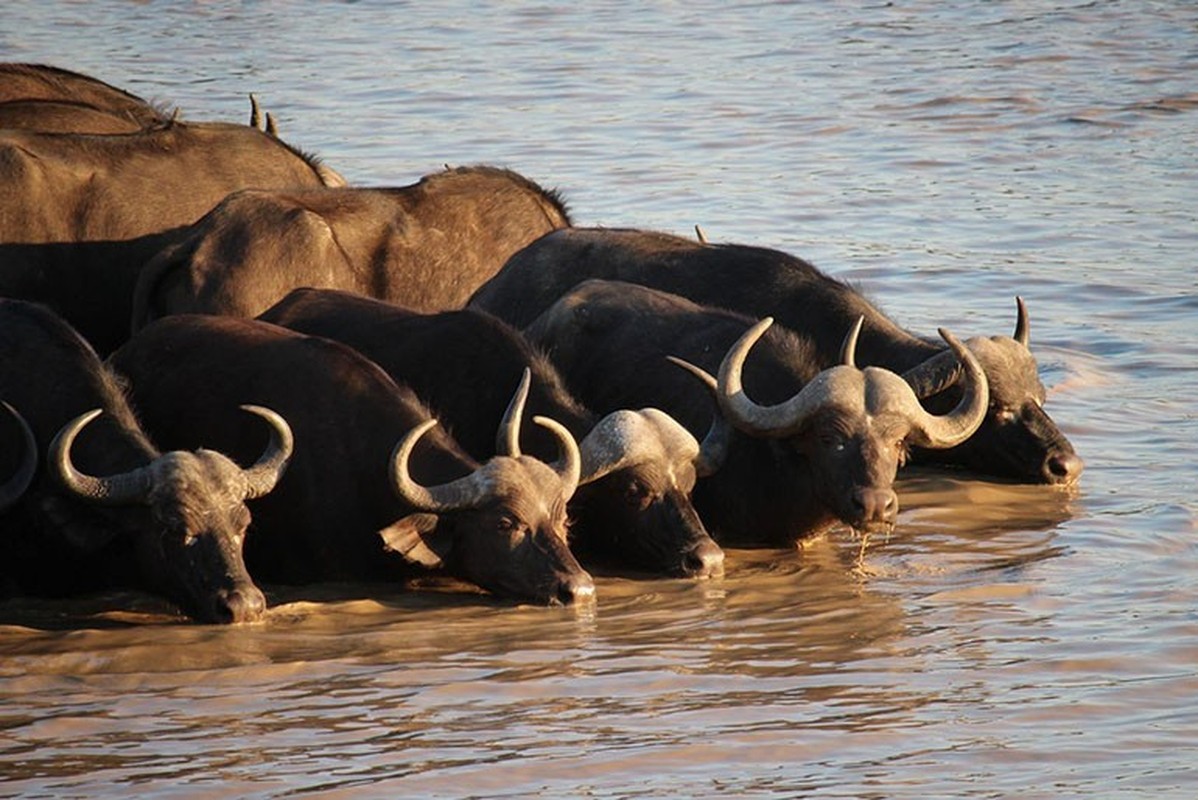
(1017, 439)
(427, 246)
(338, 514)
(106, 507)
(80, 214)
(41, 82)
(639, 466)
(825, 450)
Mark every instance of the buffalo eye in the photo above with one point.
(832, 441)
(1005, 415)
(636, 493)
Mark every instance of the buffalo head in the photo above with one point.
(1016, 438)
(853, 426)
(192, 519)
(638, 472)
(503, 526)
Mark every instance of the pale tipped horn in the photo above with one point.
(569, 466)
(123, 489)
(772, 421)
(713, 450)
(848, 348)
(266, 472)
(1022, 328)
(959, 424)
(466, 492)
(507, 439)
(14, 487)
(255, 113)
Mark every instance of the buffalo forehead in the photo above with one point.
(204, 477)
(524, 482)
(1010, 368)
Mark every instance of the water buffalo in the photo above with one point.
(633, 504)
(1017, 439)
(426, 246)
(80, 214)
(828, 448)
(107, 508)
(338, 514)
(21, 82)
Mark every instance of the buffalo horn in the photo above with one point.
(507, 440)
(264, 474)
(15, 486)
(466, 492)
(780, 419)
(848, 348)
(569, 466)
(1022, 329)
(125, 488)
(959, 424)
(713, 450)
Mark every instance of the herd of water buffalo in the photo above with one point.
(199, 322)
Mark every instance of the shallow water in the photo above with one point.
(1005, 641)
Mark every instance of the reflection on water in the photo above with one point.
(1005, 641)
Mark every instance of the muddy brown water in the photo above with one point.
(1005, 641)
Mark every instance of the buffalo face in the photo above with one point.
(188, 516)
(634, 505)
(503, 526)
(1017, 439)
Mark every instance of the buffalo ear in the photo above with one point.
(419, 539)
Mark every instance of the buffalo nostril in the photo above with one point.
(875, 504)
(241, 605)
(1063, 467)
(575, 588)
(706, 560)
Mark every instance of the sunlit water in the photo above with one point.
(1005, 642)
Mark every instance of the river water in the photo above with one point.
(1006, 641)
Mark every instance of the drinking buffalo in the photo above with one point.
(80, 214)
(825, 450)
(1016, 440)
(107, 508)
(426, 246)
(633, 501)
(337, 513)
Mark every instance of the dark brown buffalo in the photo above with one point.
(1017, 439)
(426, 246)
(20, 82)
(338, 514)
(107, 508)
(632, 507)
(825, 450)
(80, 214)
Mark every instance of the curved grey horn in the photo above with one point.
(265, 473)
(125, 488)
(14, 487)
(959, 424)
(848, 349)
(1022, 329)
(466, 492)
(713, 450)
(780, 419)
(569, 466)
(507, 439)
(934, 375)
